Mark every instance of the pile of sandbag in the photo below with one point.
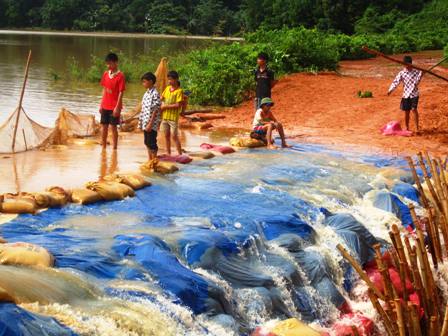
(246, 142)
(289, 327)
(157, 166)
(113, 187)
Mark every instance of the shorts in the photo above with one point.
(167, 125)
(151, 140)
(259, 130)
(107, 118)
(408, 104)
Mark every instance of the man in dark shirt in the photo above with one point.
(264, 77)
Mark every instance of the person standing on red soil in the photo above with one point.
(264, 78)
(113, 83)
(411, 79)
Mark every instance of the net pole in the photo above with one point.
(19, 109)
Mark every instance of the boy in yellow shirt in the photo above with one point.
(173, 101)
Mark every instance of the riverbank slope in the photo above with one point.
(325, 108)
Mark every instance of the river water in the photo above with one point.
(44, 95)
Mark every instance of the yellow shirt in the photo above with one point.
(172, 97)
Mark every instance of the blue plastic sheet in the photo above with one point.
(355, 235)
(406, 190)
(389, 202)
(15, 321)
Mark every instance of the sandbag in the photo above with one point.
(25, 254)
(183, 159)
(397, 174)
(5, 297)
(406, 190)
(189, 288)
(50, 199)
(201, 155)
(18, 205)
(157, 166)
(246, 142)
(293, 327)
(343, 327)
(60, 191)
(111, 191)
(135, 181)
(355, 235)
(389, 202)
(85, 196)
(218, 148)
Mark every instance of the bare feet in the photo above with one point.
(285, 145)
(271, 146)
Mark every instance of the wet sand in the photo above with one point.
(324, 107)
(75, 164)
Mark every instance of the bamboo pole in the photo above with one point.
(438, 63)
(445, 323)
(429, 183)
(417, 181)
(359, 270)
(19, 109)
(388, 323)
(377, 53)
(388, 287)
(401, 326)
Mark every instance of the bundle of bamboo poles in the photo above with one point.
(412, 255)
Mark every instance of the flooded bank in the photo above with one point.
(219, 248)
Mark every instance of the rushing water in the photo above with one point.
(213, 250)
(45, 95)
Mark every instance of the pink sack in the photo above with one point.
(394, 128)
(217, 148)
(183, 159)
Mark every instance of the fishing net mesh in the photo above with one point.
(31, 134)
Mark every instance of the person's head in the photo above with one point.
(262, 59)
(408, 61)
(148, 80)
(111, 60)
(173, 78)
(266, 104)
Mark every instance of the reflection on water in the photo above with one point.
(45, 96)
(107, 168)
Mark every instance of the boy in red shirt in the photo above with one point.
(113, 83)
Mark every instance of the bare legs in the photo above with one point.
(279, 127)
(105, 132)
(407, 118)
(175, 139)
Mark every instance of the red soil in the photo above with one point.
(325, 108)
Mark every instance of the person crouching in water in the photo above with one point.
(113, 83)
(173, 102)
(149, 120)
(264, 123)
(410, 77)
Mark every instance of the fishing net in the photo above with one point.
(29, 133)
(161, 75)
(71, 125)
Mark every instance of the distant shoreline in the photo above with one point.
(119, 35)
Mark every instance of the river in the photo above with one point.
(44, 95)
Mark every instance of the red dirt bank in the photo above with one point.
(325, 108)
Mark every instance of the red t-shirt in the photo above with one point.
(113, 87)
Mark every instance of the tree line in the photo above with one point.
(207, 17)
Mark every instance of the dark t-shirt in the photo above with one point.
(263, 80)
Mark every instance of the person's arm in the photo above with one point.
(395, 83)
(271, 116)
(102, 95)
(117, 109)
(121, 88)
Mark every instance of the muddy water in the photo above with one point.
(45, 95)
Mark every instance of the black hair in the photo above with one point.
(173, 75)
(111, 57)
(407, 59)
(149, 76)
(263, 56)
